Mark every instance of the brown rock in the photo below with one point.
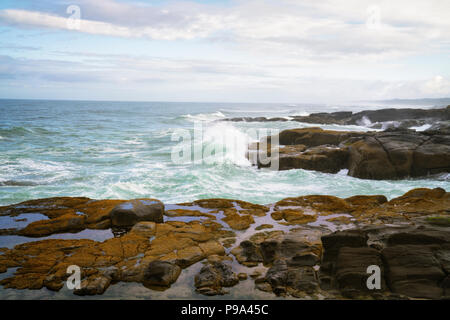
(213, 277)
(161, 273)
(93, 285)
(131, 212)
(414, 271)
(294, 216)
(368, 160)
(238, 222)
(312, 137)
(65, 223)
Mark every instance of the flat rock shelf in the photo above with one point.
(306, 247)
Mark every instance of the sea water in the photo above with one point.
(123, 150)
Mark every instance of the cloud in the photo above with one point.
(40, 19)
(329, 29)
(287, 50)
(438, 86)
(201, 79)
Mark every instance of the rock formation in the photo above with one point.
(299, 253)
(391, 154)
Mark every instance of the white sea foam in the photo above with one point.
(78, 158)
(364, 122)
(274, 110)
(229, 140)
(422, 127)
(205, 116)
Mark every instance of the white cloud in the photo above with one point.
(332, 29)
(289, 50)
(200, 28)
(438, 86)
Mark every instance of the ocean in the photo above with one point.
(123, 150)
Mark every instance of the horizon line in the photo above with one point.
(233, 102)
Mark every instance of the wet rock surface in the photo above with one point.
(299, 254)
(412, 262)
(390, 154)
(215, 276)
(407, 117)
(131, 212)
(161, 274)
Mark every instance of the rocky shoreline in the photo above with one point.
(389, 154)
(398, 152)
(311, 247)
(388, 118)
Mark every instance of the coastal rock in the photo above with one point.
(405, 117)
(187, 213)
(65, 214)
(351, 268)
(213, 277)
(414, 271)
(319, 203)
(236, 221)
(369, 160)
(264, 226)
(93, 285)
(293, 216)
(126, 258)
(283, 279)
(413, 256)
(393, 114)
(401, 154)
(432, 156)
(332, 243)
(250, 253)
(324, 158)
(391, 154)
(313, 137)
(66, 223)
(131, 212)
(365, 202)
(161, 274)
(419, 237)
(413, 260)
(276, 249)
(144, 228)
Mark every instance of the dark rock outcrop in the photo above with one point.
(306, 261)
(404, 118)
(413, 270)
(391, 154)
(213, 277)
(93, 285)
(413, 262)
(313, 137)
(351, 268)
(283, 278)
(131, 212)
(161, 274)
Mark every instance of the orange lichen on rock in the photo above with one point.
(176, 244)
(66, 223)
(236, 221)
(187, 213)
(65, 214)
(294, 216)
(44, 263)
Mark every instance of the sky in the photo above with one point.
(293, 51)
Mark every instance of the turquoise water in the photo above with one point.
(107, 150)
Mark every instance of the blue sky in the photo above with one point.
(231, 51)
